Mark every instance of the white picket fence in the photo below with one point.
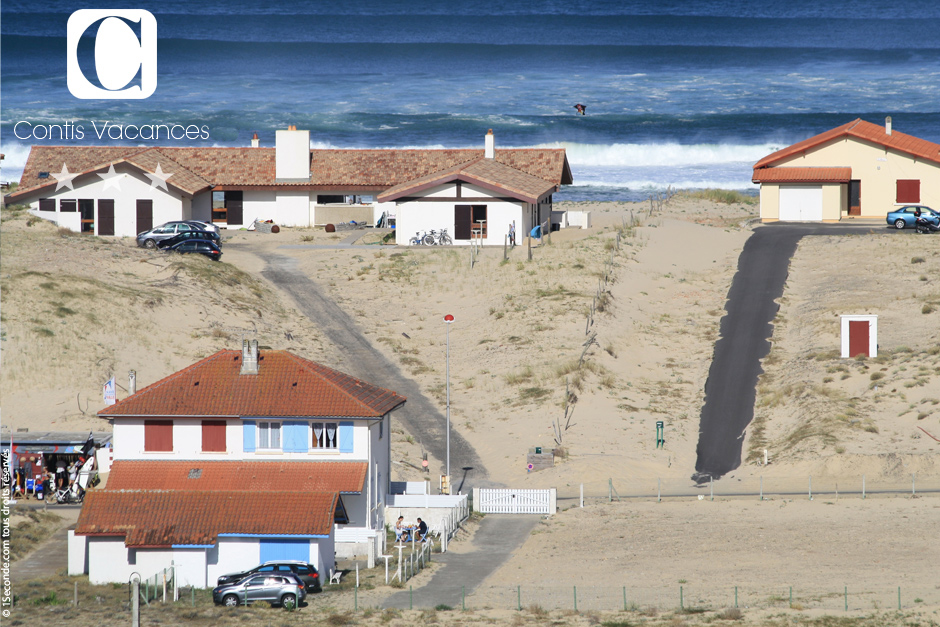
(512, 501)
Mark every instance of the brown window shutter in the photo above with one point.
(67, 205)
(908, 190)
(462, 221)
(47, 204)
(144, 215)
(106, 216)
(158, 435)
(213, 436)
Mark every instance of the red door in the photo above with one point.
(858, 338)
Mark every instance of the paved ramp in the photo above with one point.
(495, 540)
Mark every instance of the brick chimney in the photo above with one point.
(292, 155)
(249, 357)
(489, 145)
(255, 142)
(888, 125)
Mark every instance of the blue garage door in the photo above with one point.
(274, 550)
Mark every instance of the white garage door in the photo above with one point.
(801, 203)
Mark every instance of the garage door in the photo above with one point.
(801, 203)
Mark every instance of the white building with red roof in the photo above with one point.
(123, 191)
(244, 457)
(857, 169)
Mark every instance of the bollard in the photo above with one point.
(811, 488)
(899, 598)
(519, 598)
(75, 599)
(762, 487)
(711, 487)
(463, 598)
(913, 490)
(624, 598)
(846, 598)
(735, 596)
(681, 600)
(791, 596)
(192, 596)
(582, 496)
(659, 490)
(411, 597)
(356, 599)
(575, 598)
(135, 603)
(863, 486)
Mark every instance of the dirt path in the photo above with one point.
(419, 415)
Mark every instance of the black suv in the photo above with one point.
(307, 573)
(182, 236)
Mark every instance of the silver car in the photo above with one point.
(283, 589)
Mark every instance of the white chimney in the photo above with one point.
(255, 142)
(249, 357)
(888, 125)
(132, 382)
(292, 155)
(489, 145)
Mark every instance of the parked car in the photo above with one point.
(149, 239)
(201, 246)
(904, 217)
(283, 589)
(205, 226)
(182, 236)
(306, 572)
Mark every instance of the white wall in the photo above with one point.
(107, 561)
(293, 208)
(134, 186)
(78, 553)
(231, 555)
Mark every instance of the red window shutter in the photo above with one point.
(213, 436)
(908, 190)
(158, 435)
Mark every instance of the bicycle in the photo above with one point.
(417, 240)
(439, 239)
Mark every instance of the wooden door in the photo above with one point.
(858, 338)
(463, 221)
(855, 198)
(105, 216)
(144, 215)
(233, 211)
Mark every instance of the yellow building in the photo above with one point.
(858, 169)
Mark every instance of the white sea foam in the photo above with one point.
(666, 154)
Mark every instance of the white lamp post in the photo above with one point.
(448, 319)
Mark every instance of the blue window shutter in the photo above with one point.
(345, 437)
(287, 437)
(301, 437)
(248, 435)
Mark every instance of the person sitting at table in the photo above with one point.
(422, 531)
(399, 528)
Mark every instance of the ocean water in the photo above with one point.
(680, 93)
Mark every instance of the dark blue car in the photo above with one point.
(904, 217)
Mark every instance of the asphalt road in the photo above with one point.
(746, 330)
(419, 416)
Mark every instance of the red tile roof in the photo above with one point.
(261, 476)
(488, 173)
(286, 386)
(802, 175)
(255, 167)
(165, 518)
(866, 131)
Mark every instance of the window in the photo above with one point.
(381, 427)
(269, 435)
(324, 435)
(47, 204)
(87, 209)
(213, 436)
(158, 435)
(330, 199)
(68, 205)
(227, 207)
(908, 190)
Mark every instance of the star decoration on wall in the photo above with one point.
(64, 179)
(111, 179)
(158, 178)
